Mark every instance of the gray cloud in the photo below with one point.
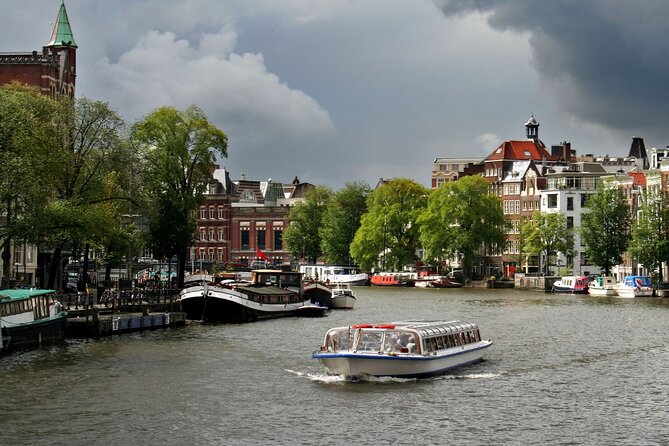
(604, 61)
(336, 91)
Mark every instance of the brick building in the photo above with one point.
(240, 218)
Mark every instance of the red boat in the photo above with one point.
(393, 279)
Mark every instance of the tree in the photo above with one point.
(178, 149)
(547, 233)
(388, 233)
(341, 220)
(460, 217)
(605, 228)
(25, 115)
(76, 172)
(302, 237)
(650, 232)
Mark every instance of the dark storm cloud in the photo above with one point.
(604, 61)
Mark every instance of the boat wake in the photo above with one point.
(325, 378)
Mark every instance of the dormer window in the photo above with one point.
(528, 154)
(499, 150)
(247, 196)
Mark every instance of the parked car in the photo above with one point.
(147, 260)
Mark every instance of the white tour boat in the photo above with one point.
(271, 294)
(408, 349)
(603, 286)
(331, 274)
(342, 297)
(635, 286)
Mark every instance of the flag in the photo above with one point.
(261, 255)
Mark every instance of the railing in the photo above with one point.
(117, 300)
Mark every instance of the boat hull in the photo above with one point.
(631, 293)
(319, 294)
(216, 304)
(46, 331)
(602, 291)
(343, 302)
(358, 365)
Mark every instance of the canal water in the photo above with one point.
(563, 370)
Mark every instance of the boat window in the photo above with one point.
(440, 342)
(339, 340)
(370, 340)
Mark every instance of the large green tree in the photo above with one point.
(302, 237)
(341, 220)
(178, 148)
(650, 232)
(547, 234)
(388, 233)
(460, 217)
(605, 227)
(77, 172)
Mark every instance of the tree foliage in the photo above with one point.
(460, 217)
(341, 220)
(302, 237)
(548, 234)
(650, 232)
(70, 168)
(178, 149)
(605, 228)
(388, 233)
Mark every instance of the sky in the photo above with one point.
(337, 91)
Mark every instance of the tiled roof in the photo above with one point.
(520, 150)
(639, 178)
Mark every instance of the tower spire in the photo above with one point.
(62, 32)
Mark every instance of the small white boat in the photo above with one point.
(571, 284)
(408, 349)
(603, 286)
(635, 286)
(342, 296)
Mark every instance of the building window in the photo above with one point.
(517, 206)
(584, 259)
(278, 239)
(442, 167)
(584, 200)
(219, 257)
(247, 196)
(203, 213)
(202, 254)
(570, 222)
(261, 238)
(211, 234)
(570, 203)
(245, 239)
(552, 201)
(202, 234)
(212, 212)
(220, 233)
(220, 212)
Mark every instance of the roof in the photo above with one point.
(20, 293)
(520, 150)
(62, 32)
(639, 178)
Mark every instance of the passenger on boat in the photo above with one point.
(411, 345)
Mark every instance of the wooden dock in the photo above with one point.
(93, 324)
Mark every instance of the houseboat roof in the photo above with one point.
(18, 294)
